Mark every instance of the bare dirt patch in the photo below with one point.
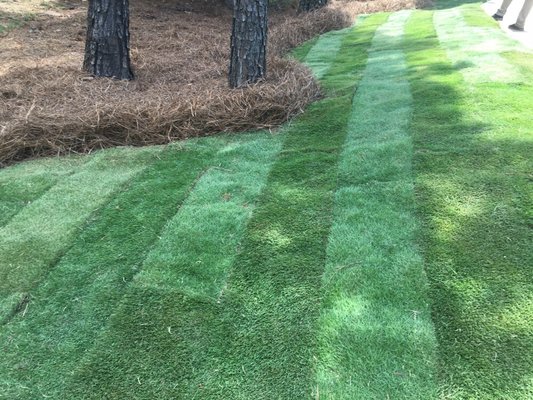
(180, 52)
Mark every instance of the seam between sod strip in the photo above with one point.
(376, 337)
(18, 208)
(92, 216)
(320, 55)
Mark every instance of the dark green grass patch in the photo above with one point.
(472, 160)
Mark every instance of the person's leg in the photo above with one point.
(503, 8)
(521, 21)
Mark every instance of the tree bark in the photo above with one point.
(310, 5)
(107, 52)
(248, 42)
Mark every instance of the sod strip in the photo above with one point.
(256, 340)
(473, 156)
(22, 184)
(36, 237)
(475, 50)
(199, 244)
(376, 338)
(67, 312)
(341, 77)
(324, 51)
(474, 15)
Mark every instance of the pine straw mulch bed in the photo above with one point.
(180, 59)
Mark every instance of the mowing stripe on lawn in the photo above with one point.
(473, 157)
(37, 236)
(22, 184)
(376, 337)
(67, 312)
(257, 339)
(475, 50)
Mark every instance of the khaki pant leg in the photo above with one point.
(521, 21)
(503, 8)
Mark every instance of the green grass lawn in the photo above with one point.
(377, 247)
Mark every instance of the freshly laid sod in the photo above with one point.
(88, 283)
(256, 337)
(377, 247)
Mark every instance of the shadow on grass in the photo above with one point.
(472, 193)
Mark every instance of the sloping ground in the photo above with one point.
(376, 248)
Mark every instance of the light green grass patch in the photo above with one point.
(23, 183)
(475, 50)
(322, 54)
(198, 246)
(376, 338)
(475, 16)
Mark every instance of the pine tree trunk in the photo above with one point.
(248, 42)
(107, 45)
(310, 5)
